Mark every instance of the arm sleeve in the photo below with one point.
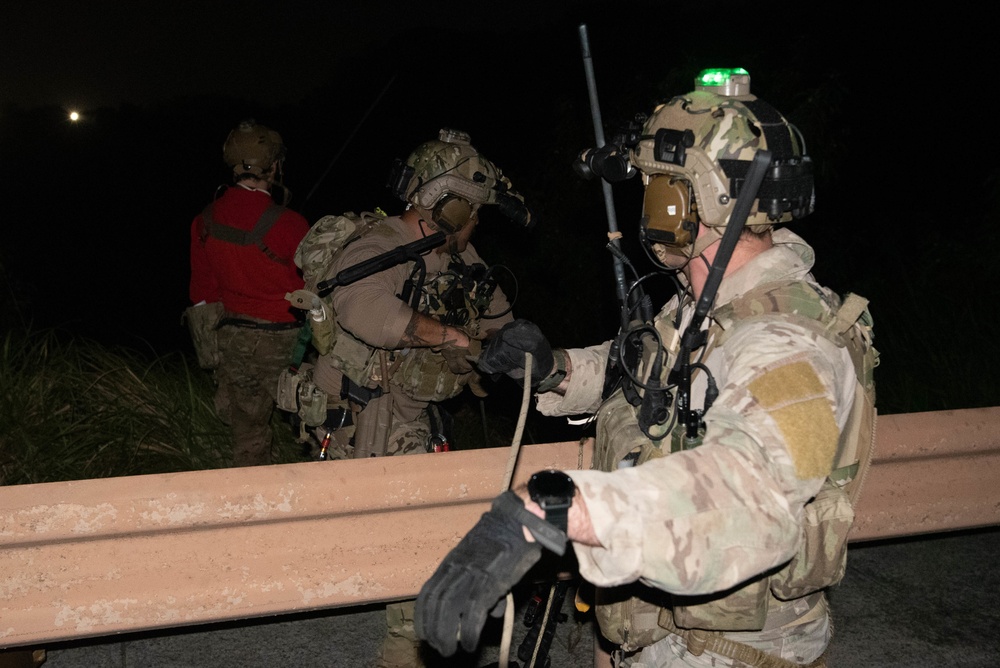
(586, 384)
(706, 519)
(369, 308)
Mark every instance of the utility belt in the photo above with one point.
(699, 641)
(298, 394)
(267, 326)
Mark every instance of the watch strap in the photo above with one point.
(558, 517)
(552, 381)
(548, 536)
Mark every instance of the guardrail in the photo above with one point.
(100, 557)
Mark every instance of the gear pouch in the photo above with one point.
(298, 394)
(822, 556)
(203, 323)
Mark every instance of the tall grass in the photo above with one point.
(73, 409)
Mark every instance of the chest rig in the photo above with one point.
(637, 616)
(459, 297)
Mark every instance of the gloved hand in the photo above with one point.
(459, 359)
(480, 570)
(505, 352)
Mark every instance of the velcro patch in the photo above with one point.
(794, 397)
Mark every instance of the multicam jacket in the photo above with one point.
(694, 531)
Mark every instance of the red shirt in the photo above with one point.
(243, 278)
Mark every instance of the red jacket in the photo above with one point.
(244, 278)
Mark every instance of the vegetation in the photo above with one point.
(72, 409)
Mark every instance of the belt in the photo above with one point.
(269, 326)
(698, 640)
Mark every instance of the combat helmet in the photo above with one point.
(447, 180)
(251, 149)
(694, 154)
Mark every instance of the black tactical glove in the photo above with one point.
(505, 352)
(493, 557)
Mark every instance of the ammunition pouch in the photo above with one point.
(425, 375)
(297, 394)
(203, 324)
(822, 556)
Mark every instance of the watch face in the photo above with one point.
(551, 487)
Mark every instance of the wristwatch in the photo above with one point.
(553, 491)
(553, 380)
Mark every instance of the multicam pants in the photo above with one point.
(249, 363)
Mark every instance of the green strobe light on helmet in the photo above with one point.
(694, 154)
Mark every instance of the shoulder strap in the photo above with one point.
(254, 237)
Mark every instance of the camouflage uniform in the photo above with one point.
(370, 314)
(715, 517)
(371, 318)
(250, 361)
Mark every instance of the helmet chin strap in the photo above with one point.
(709, 236)
(706, 238)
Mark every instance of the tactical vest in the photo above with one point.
(254, 237)
(637, 616)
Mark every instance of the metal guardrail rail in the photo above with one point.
(101, 557)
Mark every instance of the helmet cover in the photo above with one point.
(252, 148)
(451, 180)
(694, 154)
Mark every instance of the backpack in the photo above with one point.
(296, 391)
(314, 256)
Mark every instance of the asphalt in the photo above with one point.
(928, 601)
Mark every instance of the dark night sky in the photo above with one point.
(88, 54)
(896, 109)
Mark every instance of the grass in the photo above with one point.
(72, 409)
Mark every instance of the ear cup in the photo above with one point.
(667, 211)
(452, 213)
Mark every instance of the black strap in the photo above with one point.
(234, 235)
(250, 324)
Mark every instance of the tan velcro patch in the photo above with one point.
(794, 397)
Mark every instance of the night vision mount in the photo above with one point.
(401, 174)
(611, 161)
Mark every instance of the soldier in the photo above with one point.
(732, 431)
(242, 249)
(403, 337)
